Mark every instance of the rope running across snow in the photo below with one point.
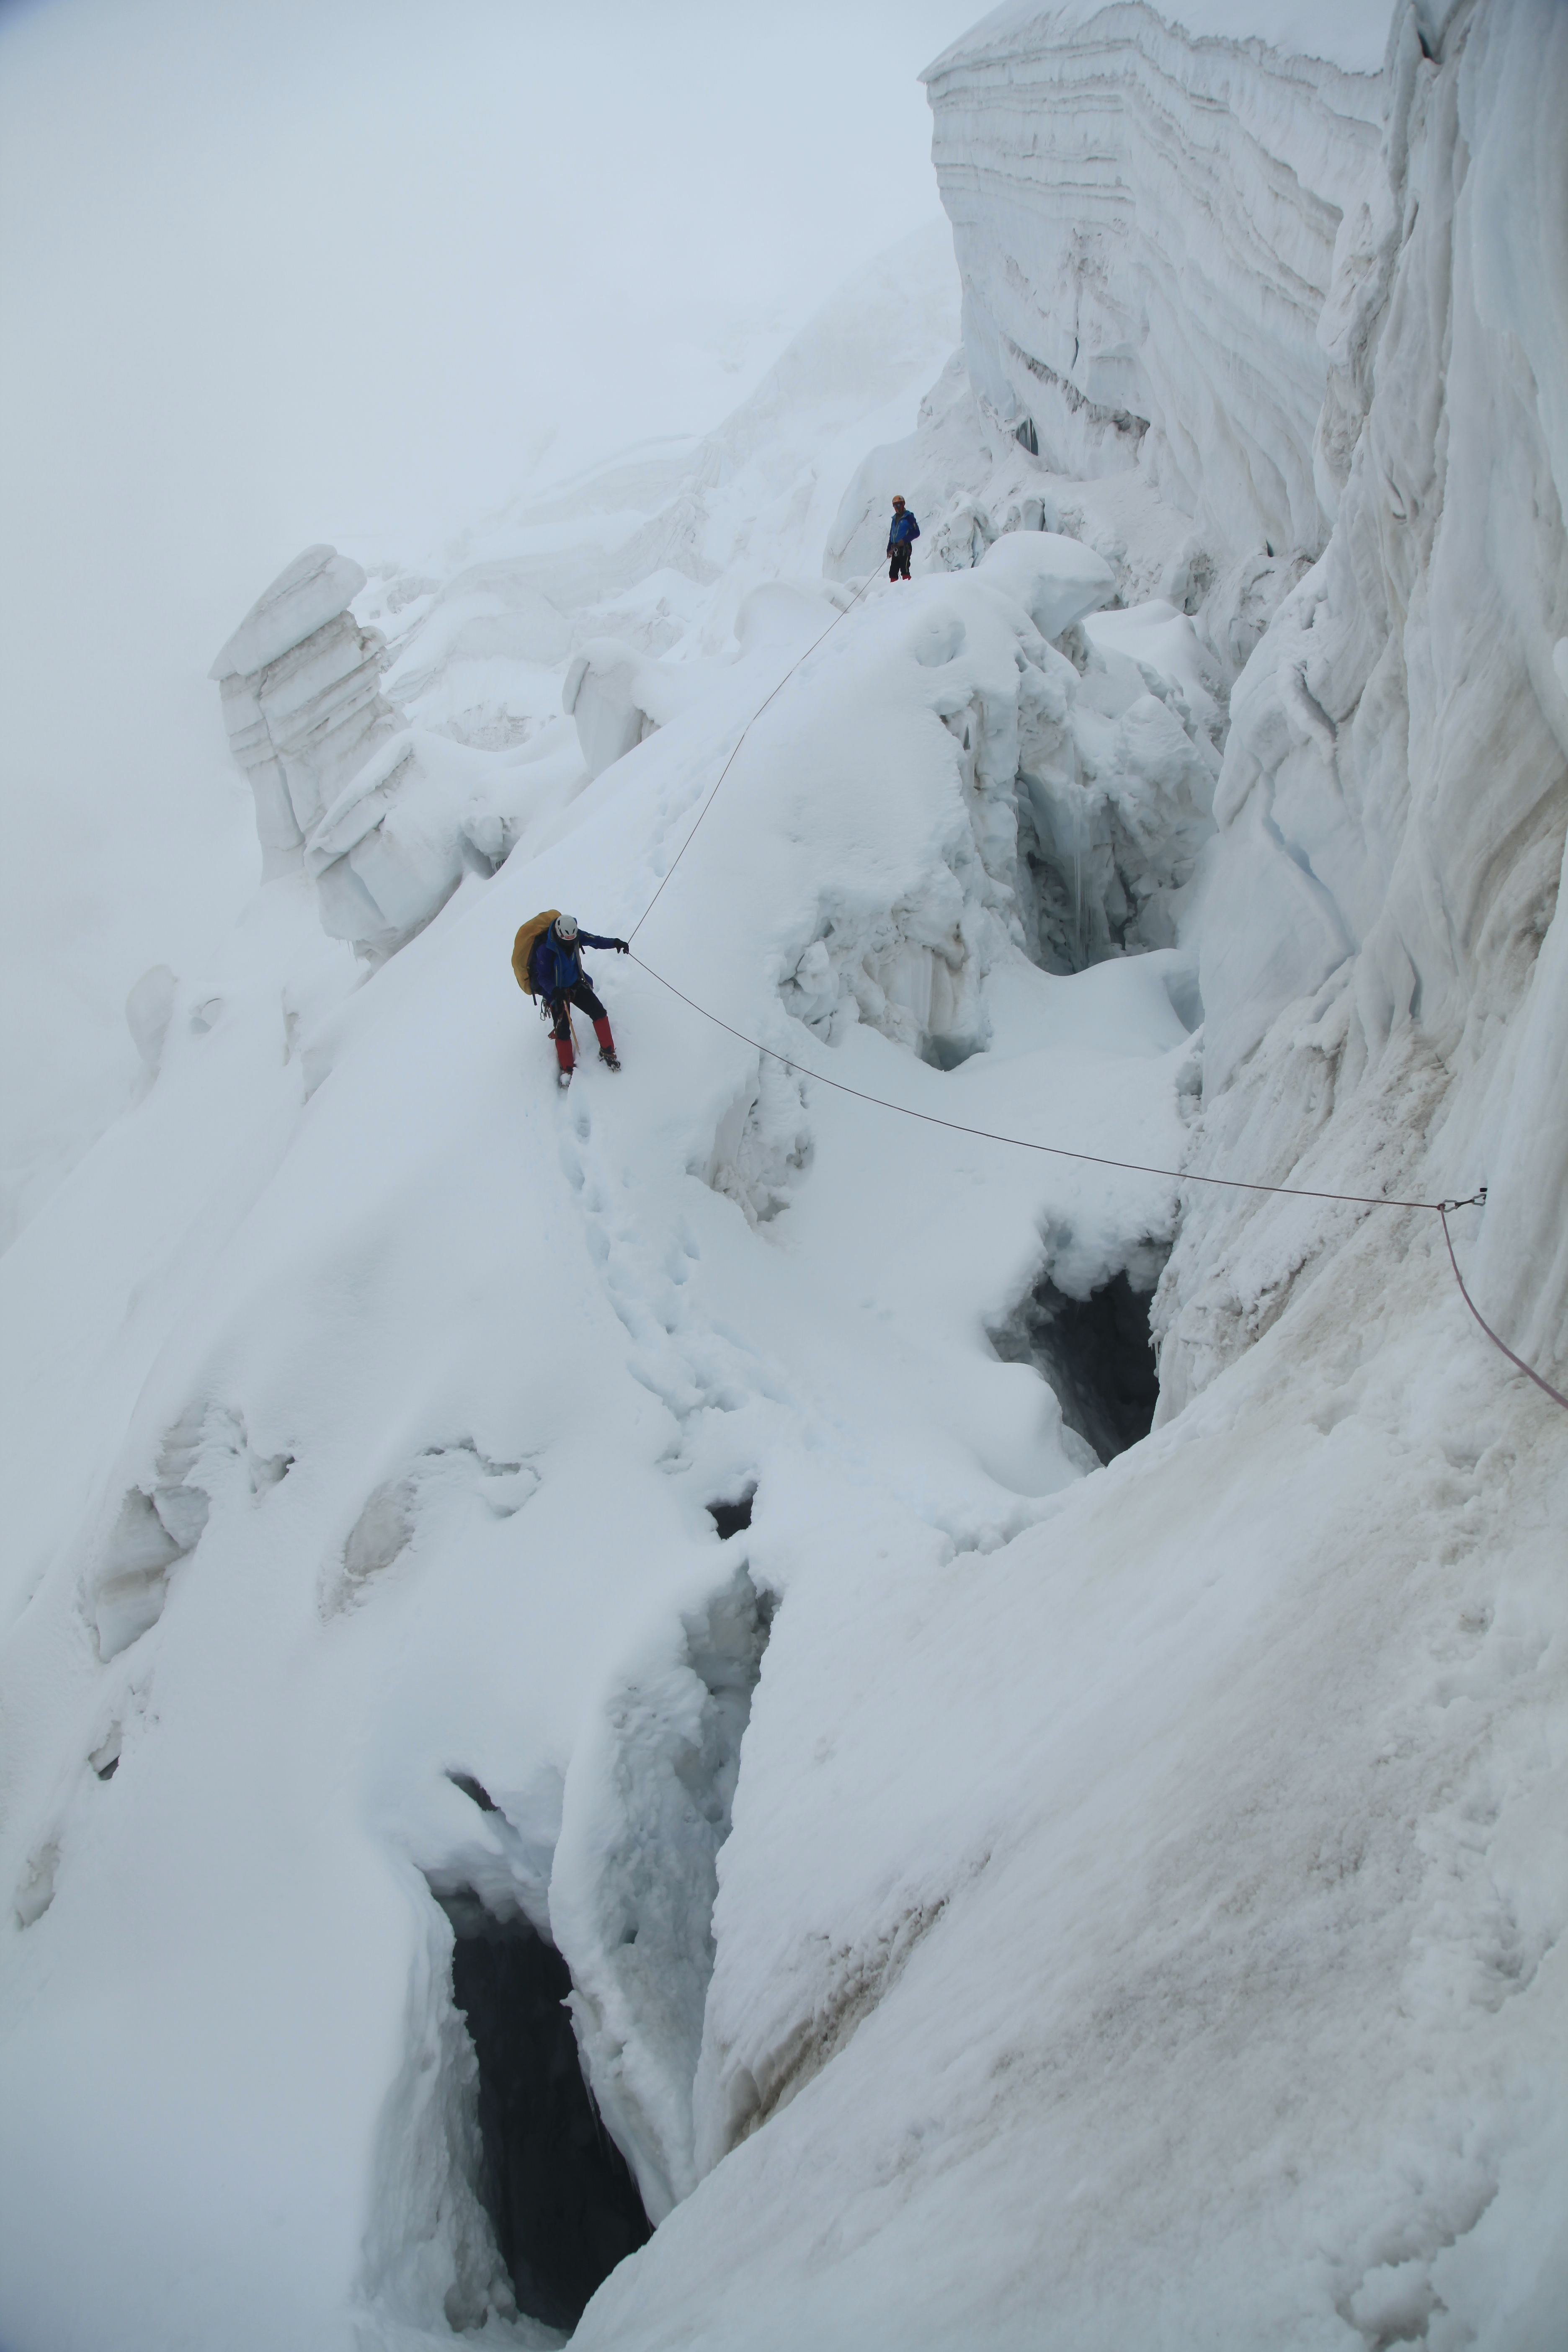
(1134, 1167)
(1441, 1209)
(1555, 1394)
(739, 741)
(1053, 1150)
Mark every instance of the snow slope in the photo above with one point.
(1008, 1900)
(360, 1365)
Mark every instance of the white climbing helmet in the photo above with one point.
(566, 927)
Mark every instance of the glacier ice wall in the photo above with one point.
(1395, 793)
(1385, 964)
(384, 818)
(1146, 223)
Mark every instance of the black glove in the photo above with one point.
(622, 946)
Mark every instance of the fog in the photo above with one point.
(279, 272)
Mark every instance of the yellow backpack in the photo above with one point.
(522, 946)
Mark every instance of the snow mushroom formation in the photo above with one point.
(721, 1711)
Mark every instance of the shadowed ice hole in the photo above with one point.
(1095, 1352)
(731, 1517)
(562, 2201)
(948, 1052)
(559, 2193)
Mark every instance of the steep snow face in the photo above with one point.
(394, 1484)
(393, 770)
(1146, 223)
(629, 549)
(1381, 968)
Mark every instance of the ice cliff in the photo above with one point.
(1026, 1865)
(1392, 804)
(1146, 223)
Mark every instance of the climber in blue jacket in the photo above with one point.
(902, 533)
(554, 969)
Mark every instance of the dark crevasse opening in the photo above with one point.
(1058, 928)
(948, 1052)
(731, 1517)
(560, 2195)
(1095, 1352)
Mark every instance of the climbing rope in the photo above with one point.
(1054, 1150)
(1441, 1209)
(739, 741)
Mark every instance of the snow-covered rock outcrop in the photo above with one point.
(1146, 223)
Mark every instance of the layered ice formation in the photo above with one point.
(1146, 221)
(1391, 801)
(1024, 1864)
(302, 700)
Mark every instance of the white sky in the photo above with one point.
(347, 262)
(280, 270)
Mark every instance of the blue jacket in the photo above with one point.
(904, 526)
(555, 966)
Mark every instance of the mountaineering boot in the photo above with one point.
(608, 1054)
(563, 1055)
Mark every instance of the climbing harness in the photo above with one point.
(1441, 1209)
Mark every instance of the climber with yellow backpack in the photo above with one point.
(547, 958)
